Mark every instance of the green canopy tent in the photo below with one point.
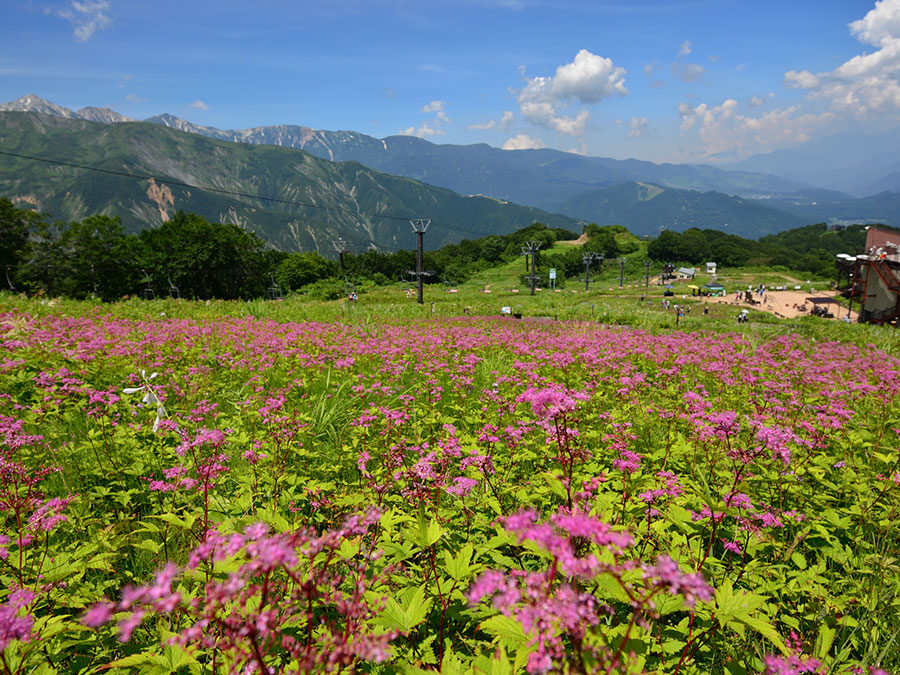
(715, 288)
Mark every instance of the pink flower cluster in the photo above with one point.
(551, 603)
(301, 593)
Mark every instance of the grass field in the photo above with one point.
(378, 486)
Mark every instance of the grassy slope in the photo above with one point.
(605, 303)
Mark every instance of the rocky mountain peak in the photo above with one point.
(32, 103)
(105, 115)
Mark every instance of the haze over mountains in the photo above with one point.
(858, 164)
(643, 196)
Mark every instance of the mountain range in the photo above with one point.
(143, 173)
(860, 164)
(640, 195)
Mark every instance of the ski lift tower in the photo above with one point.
(340, 247)
(533, 247)
(419, 225)
(587, 259)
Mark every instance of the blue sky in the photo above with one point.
(669, 80)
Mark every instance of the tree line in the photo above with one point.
(194, 258)
(808, 249)
(191, 257)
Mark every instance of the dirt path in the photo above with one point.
(790, 304)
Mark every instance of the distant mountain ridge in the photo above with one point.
(32, 103)
(590, 189)
(314, 201)
(648, 208)
(868, 162)
(544, 178)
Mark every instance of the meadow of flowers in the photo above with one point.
(236, 495)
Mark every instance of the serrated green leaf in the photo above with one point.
(459, 566)
(824, 641)
(765, 629)
(505, 628)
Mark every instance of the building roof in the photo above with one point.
(877, 237)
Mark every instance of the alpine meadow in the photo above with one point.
(485, 337)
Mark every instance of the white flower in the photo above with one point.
(150, 397)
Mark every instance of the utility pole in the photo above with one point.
(587, 259)
(647, 275)
(340, 247)
(419, 225)
(621, 271)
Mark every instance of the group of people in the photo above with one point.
(747, 296)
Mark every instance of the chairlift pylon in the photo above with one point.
(148, 293)
(274, 291)
(174, 292)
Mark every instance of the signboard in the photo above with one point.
(552, 272)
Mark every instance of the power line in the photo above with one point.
(168, 181)
(234, 193)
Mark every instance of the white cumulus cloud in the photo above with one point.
(436, 107)
(502, 124)
(86, 17)
(686, 72)
(692, 72)
(869, 82)
(880, 24)
(588, 79)
(802, 79)
(726, 130)
(523, 142)
(637, 127)
(422, 132)
(433, 107)
(200, 105)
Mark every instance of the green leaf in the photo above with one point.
(765, 629)
(409, 669)
(417, 608)
(824, 641)
(504, 628)
(555, 484)
(427, 532)
(459, 567)
(453, 665)
(148, 545)
(733, 604)
(500, 665)
(175, 521)
(433, 533)
(173, 657)
(404, 617)
(799, 560)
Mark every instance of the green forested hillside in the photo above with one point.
(643, 208)
(316, 201)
